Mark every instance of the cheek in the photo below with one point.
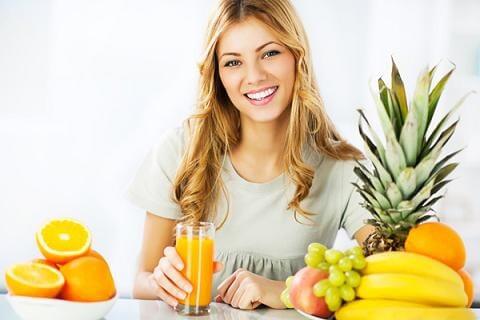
(230, 82)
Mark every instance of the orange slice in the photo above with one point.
(62, 240)
(34, 280)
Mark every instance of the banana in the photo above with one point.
(373, 309)
(410, 263)
(413, 288)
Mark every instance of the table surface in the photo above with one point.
(133, 309)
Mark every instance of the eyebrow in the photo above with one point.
(256, 50)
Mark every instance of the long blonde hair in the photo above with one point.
(215, 127)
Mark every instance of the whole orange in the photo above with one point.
(438, 241)
(467, 285)
(87, 279)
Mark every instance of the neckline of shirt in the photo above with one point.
(275, 183)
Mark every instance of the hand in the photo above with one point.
(167, 281)
(246, 290)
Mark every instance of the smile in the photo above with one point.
(261, 97)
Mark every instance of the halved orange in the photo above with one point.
(45, 261)
(34, 280)
(62, 240)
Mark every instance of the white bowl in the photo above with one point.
(309, 316)
(29, 308)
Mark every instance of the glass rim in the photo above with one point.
(194, 225)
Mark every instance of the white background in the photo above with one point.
(87, 87)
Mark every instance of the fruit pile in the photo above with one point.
(425, 281)
(329, 279)
(71, 270)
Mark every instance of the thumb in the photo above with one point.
(217, 266)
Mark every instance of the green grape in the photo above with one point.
(356, 251)
(312, 260)
(347, 293)
(333, 299)
(336, 278)
(345, 264)
(333, 256)
(317, 248)
(353, 278)
(289, 280)
(334, 268)
(358, 263)
(285, 298)
(320, 288)
(323, 266)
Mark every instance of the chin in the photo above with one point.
(266, 115)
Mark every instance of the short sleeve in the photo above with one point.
(151, 188)
(354, 216)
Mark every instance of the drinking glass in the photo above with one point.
(195, 245)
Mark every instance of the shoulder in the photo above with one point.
(169, 149)
(333, 168)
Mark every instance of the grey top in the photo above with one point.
(260, 234)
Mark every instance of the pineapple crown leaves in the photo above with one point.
(405, 172)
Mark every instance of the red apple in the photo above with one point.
(301, 292)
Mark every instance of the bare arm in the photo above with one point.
(157, 235)
(158, 275)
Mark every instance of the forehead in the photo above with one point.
(245, 36)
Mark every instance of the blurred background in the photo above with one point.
(87, 88)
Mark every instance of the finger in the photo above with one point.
(168, 286)
(162, 294)
(174, 258)
(232, 290)
(218, 299)
(174, 275)
(248, 301)
(223, 287)
(217, 266)
(237, 296)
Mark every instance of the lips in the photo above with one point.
(259, 98)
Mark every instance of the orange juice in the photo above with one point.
(197, 255)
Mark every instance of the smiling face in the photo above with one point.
(256, 70)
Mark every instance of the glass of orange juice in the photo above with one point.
(195, 245)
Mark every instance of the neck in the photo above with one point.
(264, 141)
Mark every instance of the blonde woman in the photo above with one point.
(260, 158)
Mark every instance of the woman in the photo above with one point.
(260, 159)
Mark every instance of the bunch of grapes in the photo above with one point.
(343, 273)
(284, 297)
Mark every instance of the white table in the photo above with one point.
(133, 309)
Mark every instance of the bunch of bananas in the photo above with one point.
(405, 285)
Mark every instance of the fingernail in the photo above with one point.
(187, 288)
(179, 266)
(181, 295)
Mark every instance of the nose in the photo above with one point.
(255, 74)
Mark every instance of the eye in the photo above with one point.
(271, 53)
(232, 63)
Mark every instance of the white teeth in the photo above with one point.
(262, 94)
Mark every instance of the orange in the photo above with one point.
(438, 241)
(87, 279)
(45, 261)
(34, 280)
(61, 240)
(468, 286)
(93, 253)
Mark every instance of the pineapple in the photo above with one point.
(400, 189)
